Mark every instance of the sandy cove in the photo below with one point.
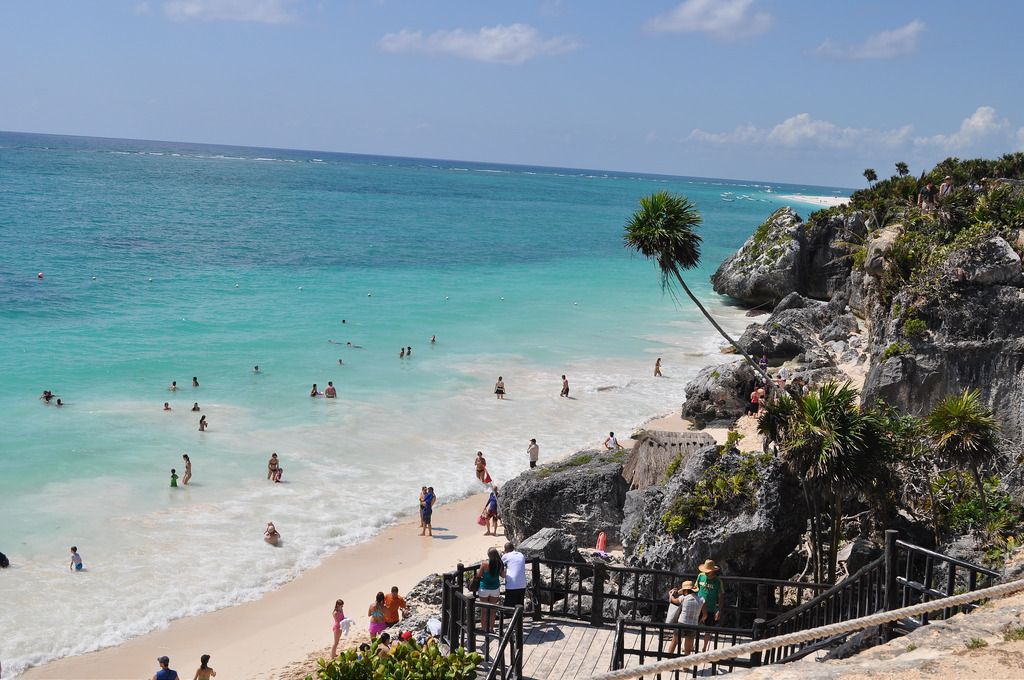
(268, 638)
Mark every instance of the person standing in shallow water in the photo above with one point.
(534, 453)
(188, 470)
(657, 368)
(499, 388)
(481, 466)
(202, 423)
(174, 478)
(565, 387)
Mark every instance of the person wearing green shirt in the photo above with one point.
(174, 478)
(711, 589)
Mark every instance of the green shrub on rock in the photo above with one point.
(407, 661)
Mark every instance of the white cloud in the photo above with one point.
(983, 124)
(802, 130)
(512, 44)
(883, 45)
(721, 18)
(257, 11)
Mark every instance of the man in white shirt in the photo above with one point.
(612, 444)
(515, 576)
(534, 452)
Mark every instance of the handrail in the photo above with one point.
(513, 634)
(946, 558)
(846, 583)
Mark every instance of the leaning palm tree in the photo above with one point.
(664, 229)
(965, 433)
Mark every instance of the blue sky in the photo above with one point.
(779, 90)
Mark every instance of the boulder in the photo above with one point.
(765, 269)
(719, 394)
(840, 328)
(785, 333)
(858, 553)
(641, 505)
(879, 247)
(582, 495)
(426, 592)
(992, 262)
(749, 536)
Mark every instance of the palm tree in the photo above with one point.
(835, 447)
(870, 175)
(902, 169)
(664, 229)
(776, 419)
(965, 433)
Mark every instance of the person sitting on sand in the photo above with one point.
(341, 625)
(167, 406)
(384, 644)
(271, 535)
(491, 512)
(165, 672)
(330, 392)
(376, 614)
(195, 407)
(204, 672)
(481, 465)
(188, 469)
(202, 423)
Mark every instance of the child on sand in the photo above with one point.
(76, 560)
(174, 479)
(341, 625)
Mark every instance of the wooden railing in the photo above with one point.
(651, 639)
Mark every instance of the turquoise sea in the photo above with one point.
(163, 261)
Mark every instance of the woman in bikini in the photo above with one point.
(202, 423)
(376, 614)
(499, 388)
(188, 469)
(339, 616)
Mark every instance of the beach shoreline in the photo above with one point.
(261, 638)
(820, 201)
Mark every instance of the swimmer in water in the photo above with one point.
(60, 403)
(202, 424)
(271, 534)
(433, 339)
(195, 381)
(408, 351)
(195, 407)
(167, 406)
(401, 355)
(353, 346)
(46, 396)
(330, 392)
(256, 368)
(174, 386)
(315, 392)
(340, 362)
(343, 321)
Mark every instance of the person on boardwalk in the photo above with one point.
(515, 575)
(565, 387)
(204, 672)
(491, 512)
(499, 388)
(174, 478)
(76, 560)
(165, 672)
(376, 614)
(534, 452)
(481, 466)
(395, 608)
(489, 574)
(341, 624)
(690, 609)
(710, 589)
(188, 469)
(657, 368)
(426, 510)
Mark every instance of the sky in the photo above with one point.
(780, 90)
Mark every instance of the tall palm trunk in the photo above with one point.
(981, 494)
(833, 543)
(721, 331)
(812, 508)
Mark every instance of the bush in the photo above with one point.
(896, 349)
(914, 327)
(719, 487)
(407, 661)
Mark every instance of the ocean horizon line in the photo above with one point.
(496, 164)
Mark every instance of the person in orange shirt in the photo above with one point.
(393, 604)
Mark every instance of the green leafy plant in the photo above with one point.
(720, 486)
(406, 661)
(976, 643)
(914, 327)
(673, 467)
(896, 349)
(1013, 634)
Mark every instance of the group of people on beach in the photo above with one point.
(759, 396)
(204, 672)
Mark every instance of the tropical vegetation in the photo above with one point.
(405, 661)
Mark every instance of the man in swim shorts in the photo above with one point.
(426, 510)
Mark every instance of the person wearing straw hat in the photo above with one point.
(711, 590)
(691, 607)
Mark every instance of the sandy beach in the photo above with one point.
(821, 201)
(266, 638)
